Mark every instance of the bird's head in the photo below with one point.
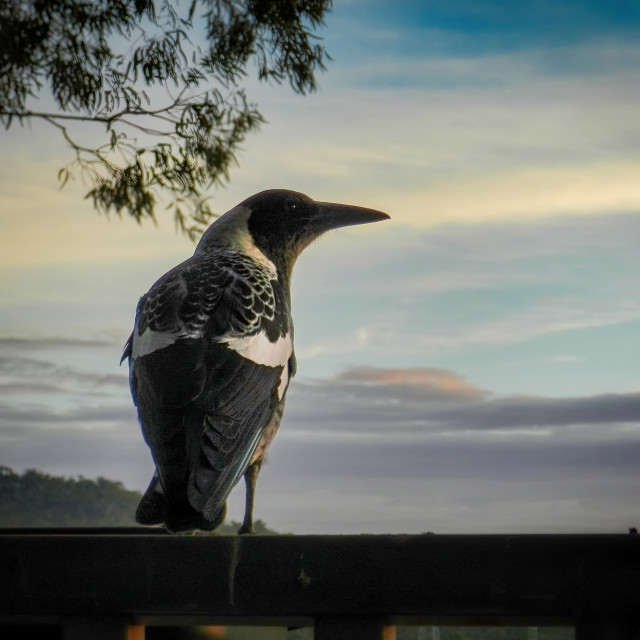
(282, 223)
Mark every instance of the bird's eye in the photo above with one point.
(292, 205)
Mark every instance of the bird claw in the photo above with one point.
(246, 530)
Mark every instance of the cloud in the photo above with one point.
(357, 341)
(403, 296)
(480, 137)
(588, 188)
(50, 369)
(426, 403)
(90, 418)
(563, 359)
(369, 453)
(19, 344)
(382, 450)
(481, 28)
(541, 318)
(416, 382)
(90, 440)
(21, 374)
(513, 413)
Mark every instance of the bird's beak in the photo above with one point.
(324, 216)
(333, 216)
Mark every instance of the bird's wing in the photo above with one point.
(127, 349)
(210, 362)
(239, 401)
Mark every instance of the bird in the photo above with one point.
(211, 356)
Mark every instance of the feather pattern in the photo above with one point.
(210, 356)
(242, 291)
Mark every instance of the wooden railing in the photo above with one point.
(112, 583)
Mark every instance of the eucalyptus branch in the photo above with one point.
(78, 149)
(91, 118)
(100, 58)
(148, 130)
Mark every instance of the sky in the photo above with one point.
(471, 365)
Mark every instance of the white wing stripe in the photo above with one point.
(259, 349)
(149, 341)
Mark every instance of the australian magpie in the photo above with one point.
(211, 355)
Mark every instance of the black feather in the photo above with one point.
(201, 405)
(211, 355)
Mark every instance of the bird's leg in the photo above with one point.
(250, 479)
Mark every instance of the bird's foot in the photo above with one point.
(189, 523)
(189, 519)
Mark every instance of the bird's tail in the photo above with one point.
(154, 510)
(225, 453)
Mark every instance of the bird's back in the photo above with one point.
(209, 365)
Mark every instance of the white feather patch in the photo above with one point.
(259, 349)
(149, 341)
(231, 231)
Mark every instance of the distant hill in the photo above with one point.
(36, 499)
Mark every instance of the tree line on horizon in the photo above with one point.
(34, 499)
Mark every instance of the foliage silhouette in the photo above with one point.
(36, 499)
(161, 79)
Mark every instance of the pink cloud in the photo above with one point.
(431, 381)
